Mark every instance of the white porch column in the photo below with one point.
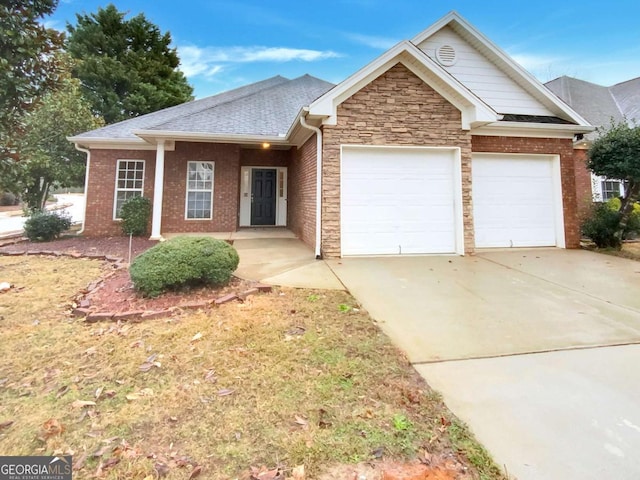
(158, 186)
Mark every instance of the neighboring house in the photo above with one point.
(443, 145)
(600, 106)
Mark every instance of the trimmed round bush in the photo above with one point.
(46, 226)
(183, 261)
(135, 214)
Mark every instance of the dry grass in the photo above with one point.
(632, 250)
(289, 378)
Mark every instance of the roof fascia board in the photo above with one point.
(473, 109)
(537, 130)
(151, 135)
(116, 143)
(460, 25)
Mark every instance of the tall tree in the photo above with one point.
(616, 154)
(27, 69)
(48, 158)
(126, 66)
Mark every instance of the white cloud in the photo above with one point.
(535, 62)
(373, 41)
(209, 61)
(55, 24)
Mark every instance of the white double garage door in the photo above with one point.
(408, 200)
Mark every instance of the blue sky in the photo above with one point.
(226, 44)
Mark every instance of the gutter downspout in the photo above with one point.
(86, 183)
(318, 132)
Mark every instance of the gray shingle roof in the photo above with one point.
(265, 108)
(268, 112)
(593, 102)
(627, 94)
(599, 104)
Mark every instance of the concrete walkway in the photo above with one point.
(536, 350)
(285, 262)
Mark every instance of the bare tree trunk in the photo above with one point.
(45, 194)
(626, 207)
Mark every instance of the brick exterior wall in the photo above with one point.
(302, 192)
(557, 146)
(227, 160)
(584, 194)
(397, 108)
(226, 185)
(101, 189)
(261, 157)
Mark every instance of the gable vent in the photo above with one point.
(446, 55)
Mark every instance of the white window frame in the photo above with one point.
(188, 190)
(115, 195)
(605, 191)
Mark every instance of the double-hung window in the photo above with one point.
(129, 183)
(610, 189)
(199, 205)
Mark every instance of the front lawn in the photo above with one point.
(290, 378)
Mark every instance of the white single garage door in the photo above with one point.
(517, 201)
(397, 200)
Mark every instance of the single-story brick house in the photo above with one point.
(443, 145)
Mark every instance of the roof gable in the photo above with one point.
(490, 73)
(474, 111)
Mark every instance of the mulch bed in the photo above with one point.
(110, 246)
(113, 296)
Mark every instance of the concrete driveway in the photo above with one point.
(537, 350)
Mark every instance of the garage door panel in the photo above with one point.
(514, 201)
(397, 201)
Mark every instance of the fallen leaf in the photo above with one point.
(301, 421)
(196, 337)
(146, 392)
(195, 472)
(99, 392)
(91, 351)
(101, 451)
(51, 428)
(79, 462)
(6, 424)
(162, 469)
(378, 453)
(110, 393)
(83, 403)
(62, 391)
(210, 376)
(224, 392)
(132, 397)
(136, 344)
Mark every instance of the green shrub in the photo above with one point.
(46, 226)
(8, 199)
(183, 261)
(135, 214)
(633, 224)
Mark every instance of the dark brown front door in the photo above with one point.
(263, 196)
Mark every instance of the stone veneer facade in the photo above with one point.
(397, 108)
